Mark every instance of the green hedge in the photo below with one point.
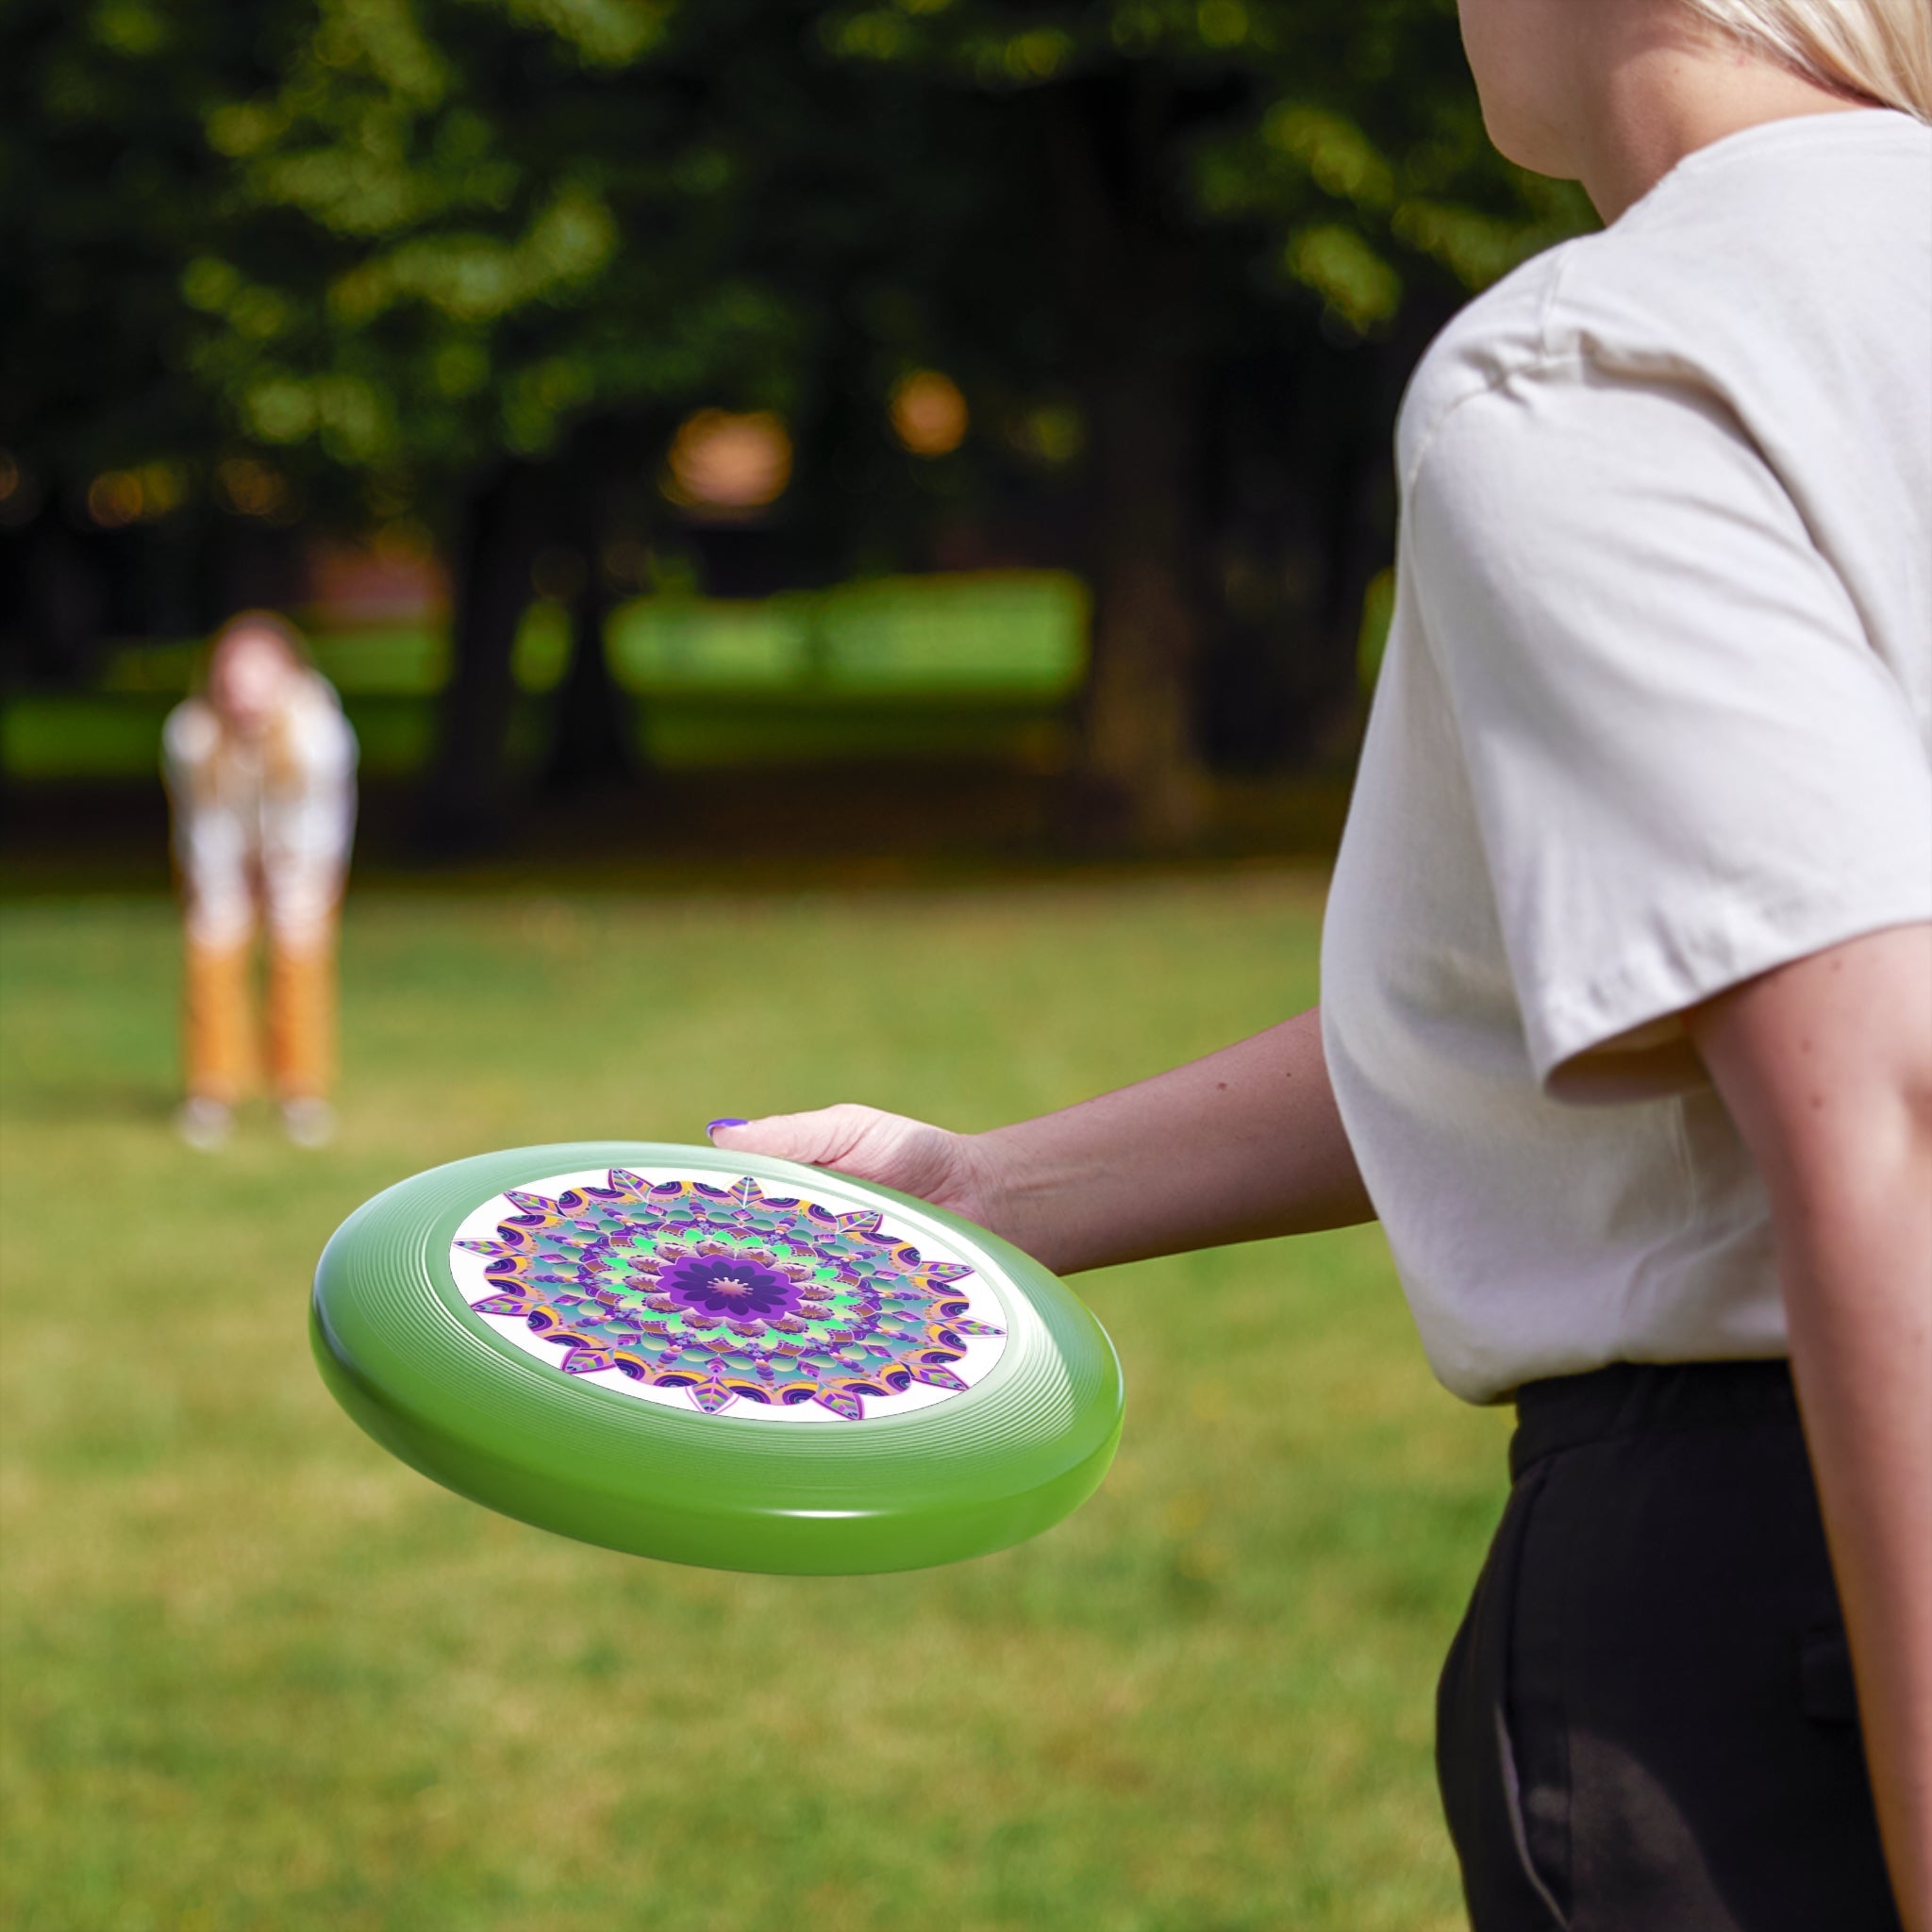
(900, 667)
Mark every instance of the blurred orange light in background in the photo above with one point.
(251, 488)
(115, 499)
(119, 497)
(729, 464)
(929, 415)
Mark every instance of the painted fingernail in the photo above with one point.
(716, 1125)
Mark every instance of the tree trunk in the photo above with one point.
(1133, 305)
(466, 802)
(593, 745)
(1141, 743)
(590, 743)
(62, 600)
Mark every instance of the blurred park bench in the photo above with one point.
(983, 665)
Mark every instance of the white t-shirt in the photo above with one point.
(249, 825)
(1656, 716)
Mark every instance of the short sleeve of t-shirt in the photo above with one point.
(1687, 762)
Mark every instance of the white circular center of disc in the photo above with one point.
(722, 1294)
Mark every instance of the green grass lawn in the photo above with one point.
(257, 1674)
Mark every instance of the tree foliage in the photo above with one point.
(445, 257)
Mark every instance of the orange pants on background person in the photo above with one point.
(220, 1038)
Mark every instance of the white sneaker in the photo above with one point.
(203, 1124)
(309, 1121)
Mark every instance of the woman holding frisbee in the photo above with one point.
(261, 777)
(1626, 1031)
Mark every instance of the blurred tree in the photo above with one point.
(529, 239)
(1234, 195)
(469, 262)
(106, 188)
(511, 231)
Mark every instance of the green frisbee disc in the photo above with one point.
(716, 1359)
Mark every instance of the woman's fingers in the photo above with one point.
(883, 1147)
(818, 1139)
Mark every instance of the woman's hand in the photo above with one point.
(949, 1169)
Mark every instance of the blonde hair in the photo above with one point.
(1879, 50)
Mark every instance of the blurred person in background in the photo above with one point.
(260, 769)
(1626, 1021)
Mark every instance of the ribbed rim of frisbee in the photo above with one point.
(402, 1350)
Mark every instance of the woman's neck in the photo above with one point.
(1655, 97)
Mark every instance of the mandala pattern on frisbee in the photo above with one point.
(724, 1298)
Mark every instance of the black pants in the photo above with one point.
(1646, 1721)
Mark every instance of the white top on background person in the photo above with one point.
(264, 806)
(1667, 732)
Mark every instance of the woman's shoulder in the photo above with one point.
(1493, 338)
(319, 733)
(191, 734)
(1758, 264)
(316, 696)
(1593, 307)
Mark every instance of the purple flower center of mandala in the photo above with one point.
(728, 1285)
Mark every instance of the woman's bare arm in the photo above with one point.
(1826, 1068)
(1243, 1145)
